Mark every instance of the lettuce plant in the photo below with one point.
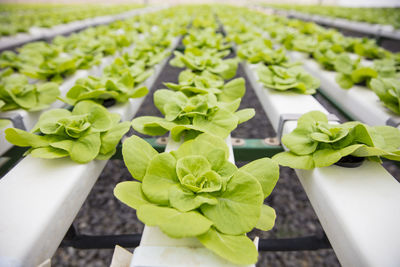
(261, 51)
(351, 72)
(326, 54)
(240, 34)
(368, 48)
(88, 132)
(16, 92)
(196, 192)
(54, 69)
(30, 55)
(304, 43)
(121, 67)
(283, 79)
(205, 39)
(40, 60)
(386, 68)
(317, 143)
(388, 91)
(146, 53)
(100, 89)
(190, 116)
(225, 68)
(206, 83)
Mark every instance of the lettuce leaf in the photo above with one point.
(317, 143)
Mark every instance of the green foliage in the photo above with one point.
(326, 54)
(351, 72)
(17, 93)
(376, 15)
(283, 79)
(100, 89)
(205, 39)
(84, 49)
(196, 192)
(21, 17)
(206, 62)
(88, 132)
(191, 84)
(190, 116)
(260, 50)
(388, 91)
(317, 143)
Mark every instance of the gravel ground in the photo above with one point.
(103, 214)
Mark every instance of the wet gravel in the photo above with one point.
(103, 214)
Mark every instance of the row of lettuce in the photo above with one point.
(356, 61)
(49, 64)
(55, 61)
(17, 18)
(315, 142)
(89, 131)
(373, 15)
(196, 191)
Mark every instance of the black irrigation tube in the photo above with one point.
(102, 241)
(312, 242)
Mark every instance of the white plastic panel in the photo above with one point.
(358, 102)
(363, 27)
(358, 209)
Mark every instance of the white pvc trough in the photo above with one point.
(358, 208)
(48, 194)
(378, 30)
(40, 198)
(36, 33)
(358, 102)
(159, 250)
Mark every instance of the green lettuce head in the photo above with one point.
(191, 83)
(17, 93)
(226, 68)
(351, 72)
(283, 79)
(317, 143)
(388, 91)
(189, 116)
(88, 132)
(100, 89)
(196, 191)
